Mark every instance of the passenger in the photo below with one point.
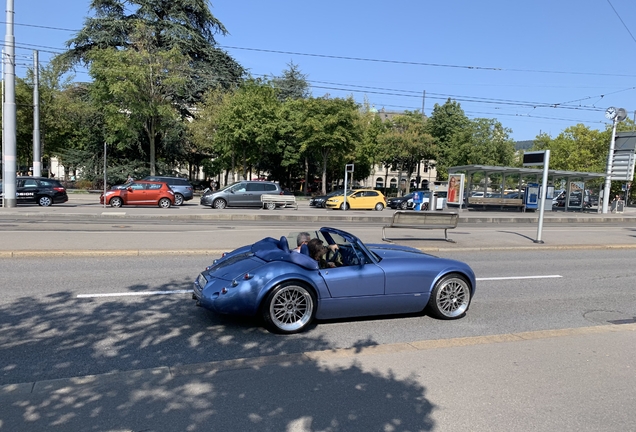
(318, 251)
(301, 239)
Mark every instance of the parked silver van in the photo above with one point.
(241, 194)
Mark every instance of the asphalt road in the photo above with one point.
(50, 333)
(548, 344)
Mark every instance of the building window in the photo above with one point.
(379, 182)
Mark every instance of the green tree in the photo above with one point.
(445, 124)
(368, 152)
(292, 84)
(185, 25)
(406, 143)
(202, 131)
(247, 123)
(137, 88)
(329, 128)
(577, 148)
(482, 142)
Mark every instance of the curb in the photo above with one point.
(318, 218)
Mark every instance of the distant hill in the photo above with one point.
(523, 145)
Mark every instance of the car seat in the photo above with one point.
(304, 249)
(283, 245)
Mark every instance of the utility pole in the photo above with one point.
(423, 100)
(9, 118)
(37, 148)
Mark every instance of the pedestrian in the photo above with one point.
(130, 179)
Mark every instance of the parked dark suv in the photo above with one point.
(241, 194)
(183, 190)
(38, 190)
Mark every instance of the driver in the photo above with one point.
(318, 251)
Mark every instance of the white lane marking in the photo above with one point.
(140, 293)
(519, 277)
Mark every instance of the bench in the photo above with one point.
(423, 220)
(496, 202)
(270, 201)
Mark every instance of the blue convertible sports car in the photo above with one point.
(289, 290)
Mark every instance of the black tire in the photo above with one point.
(450, 298)
(424, 206)
(116, 202)
(45, 201)
(379, 207)
(289, 308)
(219, 204)
(342, 206)
(404, 205)
(165, 203)
(270, 206)
(178, 199)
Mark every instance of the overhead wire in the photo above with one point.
(396, 92)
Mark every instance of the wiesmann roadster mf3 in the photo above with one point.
(288, 289)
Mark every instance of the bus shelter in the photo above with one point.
(489, 187)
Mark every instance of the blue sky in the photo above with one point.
(535, 65)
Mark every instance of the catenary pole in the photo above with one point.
(37, 148)
(608, 172)
(9, 118)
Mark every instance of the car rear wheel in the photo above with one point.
(289, 308)
(343, 207)
(165, 203)
(45, 201)
(270, 206)
(116, 202)
(219, 204)
(450, 297)
(379, 207)
(178, 199)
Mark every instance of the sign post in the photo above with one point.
(539, 158)
(348, 169)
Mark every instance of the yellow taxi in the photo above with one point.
(358, 199)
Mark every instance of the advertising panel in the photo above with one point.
(455, 193)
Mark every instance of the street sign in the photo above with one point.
(534, 158)
(623, 165)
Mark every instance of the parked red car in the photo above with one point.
(140, 193)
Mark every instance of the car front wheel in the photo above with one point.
(178, 199)
(45, 201)
(289, 308)
(404, 205)
(116, 202)
(219, 204)
(344, 207)
(450, 297)
(165, 203)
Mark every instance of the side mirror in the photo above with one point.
(129, 189)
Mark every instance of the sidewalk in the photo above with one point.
(118, 231)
